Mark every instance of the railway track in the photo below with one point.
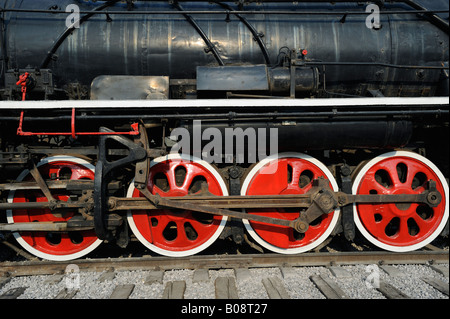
(420, 274)
(226, 261)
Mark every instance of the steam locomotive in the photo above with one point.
(274, 123)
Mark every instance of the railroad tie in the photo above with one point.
(107, 276)
(242, 274)
(339, 272)
(327, 287)
(226, 288)
(66, 293)
(437, 284)
(13, 293)
(393, 271)
(440, 269)
(4, 280)
(390, 292)
(288, 272)
(122, 292)
(53, 279)
(275, 288)
(155, 277)
(200, 275)
(174, 290)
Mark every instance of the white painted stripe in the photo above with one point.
(224, 103)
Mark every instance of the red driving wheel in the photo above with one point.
(174, 232)
(403, 226)
(288, 173)
(53, 245)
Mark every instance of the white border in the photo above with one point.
(333, 222)
(361, 227)
(19, 238)
(226, 103)
(203, 246)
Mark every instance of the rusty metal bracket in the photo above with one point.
(42, 185)
(348, 223)
(142, 166)
(324, 201)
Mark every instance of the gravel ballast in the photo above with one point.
(296, 280)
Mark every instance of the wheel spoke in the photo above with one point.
(376, 219)
(200, 228)
(425, 224)
(188, 179)
(380, 189)
(394, 177)
(403, 232)
(297, 168)
(172, 179)
(415, 170)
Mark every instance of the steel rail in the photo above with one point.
(225, 261)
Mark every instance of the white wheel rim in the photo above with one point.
(199, 248)
(319, 240)
(358, 221)
(17, 235)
